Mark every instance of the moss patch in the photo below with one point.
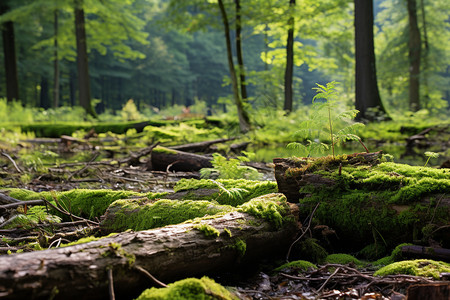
(190, 288)
(271, 207)
(418, 267)
(301, 265)
(208, 230)
(342, 258)
(248, 189)
(142, 214)
(81, 202)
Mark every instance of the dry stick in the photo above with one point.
(12, 161)
(146, 273)
(328, 279)
(8, 199)
(96, 154)
(304, 232)
(29, 202)
(69, 214)
(111, 284)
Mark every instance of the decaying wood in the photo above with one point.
(414, 251)
(289, 185)
(168, 253)
(430, 291)
(174, 160)
(200, 146)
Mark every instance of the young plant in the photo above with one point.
(230, 168)
(430, 155)
(322, 123)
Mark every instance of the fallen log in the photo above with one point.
(165, 159)
(200, 146)
(168, 253)
(414, 251)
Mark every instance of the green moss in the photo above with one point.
(190, 288)
(116, 250)
(419, 267)
(141, 214)
(249, 189)
(161, 149)
(82, 202)
(396, 255)
(342, 258)
(87, 240)
(310, 250)
(240, 246)
(271, 207)
(208, 230)
(228, 232)
(301, 265)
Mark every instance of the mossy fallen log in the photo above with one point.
(261, 228)
(368, 202)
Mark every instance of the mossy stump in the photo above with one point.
(369, 201)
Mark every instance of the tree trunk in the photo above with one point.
(56, 64)
(9, 53)
(44, 96)
(415, 46)
(240, 57)
(84, 86)
(244, 120)
(366, 87)
(288, 94)
(168, 253)
(200, 146)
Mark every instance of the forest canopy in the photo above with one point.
(164, 53)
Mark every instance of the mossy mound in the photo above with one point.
(271, 207)
(396, 255)
(386, 204)
(142, 214)
(301, 265)
(418, 267)
(343, 259)
(81, 202)
(190, 288)
(232, 192)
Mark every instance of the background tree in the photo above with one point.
(366, 86)
(9, 52)
(288, 93)
(415, 49)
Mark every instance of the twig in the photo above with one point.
(29, 202)
(111, 284)
(146, 273)
(63, 211)
(304, 232)
(12, 161)
(96, 154)
(328, 279)
(8, 199)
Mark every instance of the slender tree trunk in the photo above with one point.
(56, 64)
(72, 87)
(44, 97)
(9, 53)
(425, 56)
(415, 46)
(244, 120)
(240, 57)
(366, 87)
(82, 60)
(288, 93)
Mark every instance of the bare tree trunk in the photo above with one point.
(240, 57)
(9, 53)
(288, 93)
(82, 60)
(244, 120)
(425, 56)
(415, 46)
(366, 86)
(56, 64)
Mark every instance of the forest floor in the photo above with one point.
(122, 168)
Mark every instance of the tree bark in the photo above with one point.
(244, 120)
(9, 53)
(56, 64)
(415, 46)
(200, 146)
(239, 54)
(366, 87)
(288, 93)
(44, 97)
(168, 253)
(84, 85)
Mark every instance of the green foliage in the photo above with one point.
(430, 154)
(301, 265)
(230, 168)
(130, 112)
(189, 288)
(320, 128)
(342, 258)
